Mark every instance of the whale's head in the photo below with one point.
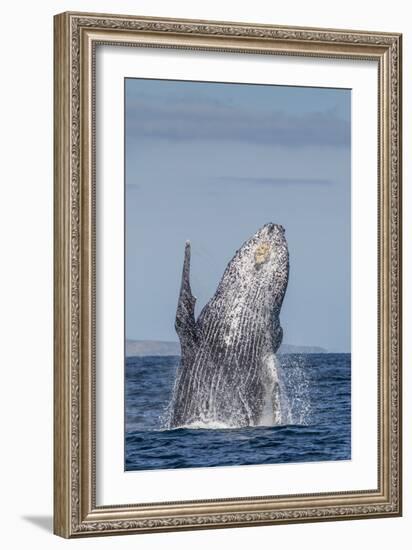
(261, 265)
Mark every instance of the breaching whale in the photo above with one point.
(227, 374)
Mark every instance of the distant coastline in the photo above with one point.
(139, 348)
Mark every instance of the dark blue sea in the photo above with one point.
(318, 390)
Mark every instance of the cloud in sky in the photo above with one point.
(203, 118)
(274, 181)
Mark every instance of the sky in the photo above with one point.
(212, 163)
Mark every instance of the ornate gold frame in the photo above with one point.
(75, 38)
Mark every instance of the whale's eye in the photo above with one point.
(262, 253)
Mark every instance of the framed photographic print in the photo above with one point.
(227, 274)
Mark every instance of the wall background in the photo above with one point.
(26, 270)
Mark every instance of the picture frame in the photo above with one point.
(77, 511)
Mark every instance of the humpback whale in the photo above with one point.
(228, 370)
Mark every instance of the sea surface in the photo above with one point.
(318, 426)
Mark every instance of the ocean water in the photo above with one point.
(317, 399)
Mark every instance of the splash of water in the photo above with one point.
(295, 383)
(286, 398)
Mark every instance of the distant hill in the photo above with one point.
(288, 348)
(135, 348)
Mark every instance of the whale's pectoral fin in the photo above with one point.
(277, 336)
(185, 323)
